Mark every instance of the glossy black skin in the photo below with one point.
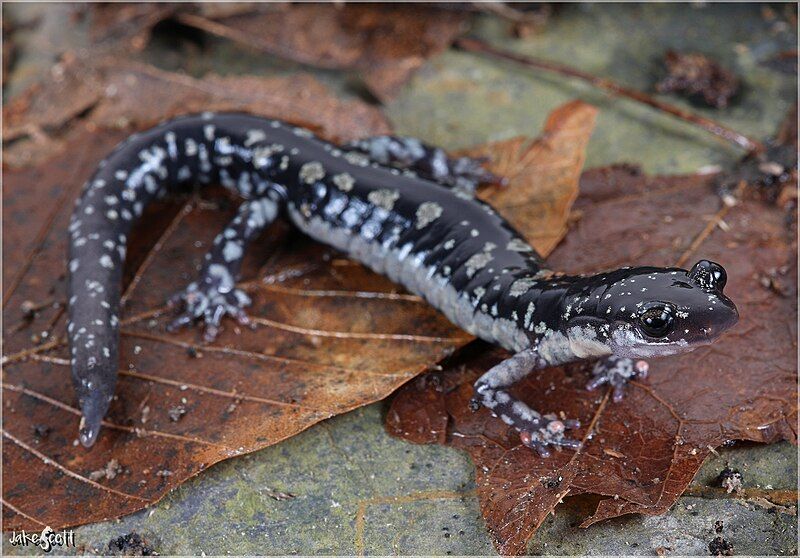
(95, 385)
(237, 150)
(699, 309)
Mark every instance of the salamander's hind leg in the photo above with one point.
(214, 295)
(462, 173)
(617, 372)
(536, 431)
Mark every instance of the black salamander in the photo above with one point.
(407, 211)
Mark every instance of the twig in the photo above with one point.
(475, 45)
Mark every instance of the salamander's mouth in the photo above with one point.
(629, 341)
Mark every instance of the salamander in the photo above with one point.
(406, 210)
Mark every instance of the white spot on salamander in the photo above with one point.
(529, 314)
(427, 213)
(518, 245)
(150, 184)
(303, 133)
(479, 260)
(232, 251)
(344, 181)
(521, 286)
(190, 147)
(355, 158)
(224, 277)
(384, 198)
(312, 172)
(254, 136)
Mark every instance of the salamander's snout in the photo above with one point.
(718, 318)
(720, 314)
(729, 315)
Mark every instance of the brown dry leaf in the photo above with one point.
(641, 453)
(558, 158)
(329, 335)
(384, 43)
(117, 94)
(126, 24)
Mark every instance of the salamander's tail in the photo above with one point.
(94, 405)
(95, 390)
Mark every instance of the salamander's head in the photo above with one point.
(648, 312)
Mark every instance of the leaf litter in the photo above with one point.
(382, 44)
(329, 335)
(113, 93)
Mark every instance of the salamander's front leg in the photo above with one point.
(617, 372)
(462, 173)
(536, 431)
(214, 294)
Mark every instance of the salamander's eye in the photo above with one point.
(656, 319)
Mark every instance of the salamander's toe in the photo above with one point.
(209, 306)
(550, 432)
(185, 318)
(617, 372)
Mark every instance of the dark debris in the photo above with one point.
(730, 479)
(41, 430)
(176, 413)
(698, 78)
(110, 471)
(772, 177)
(131, 544)
(720, 547)
(552, 483)
(771, 280)
(29, 309)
